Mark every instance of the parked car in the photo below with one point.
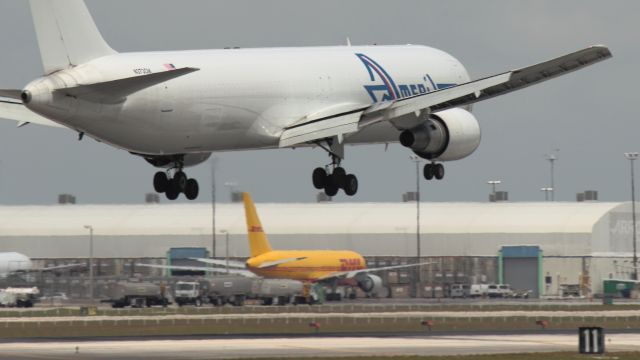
(459, 291)
(505, 290)
(493, 291)
(478, 290)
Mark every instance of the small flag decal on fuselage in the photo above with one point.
(169, 66)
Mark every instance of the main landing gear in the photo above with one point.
(433, 170)
(179, 183)
(338, 178)
(331, 183)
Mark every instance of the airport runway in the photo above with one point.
(296, 347)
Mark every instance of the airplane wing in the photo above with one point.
(353, 273)
(268, 264)
(232, 263)
(59, 267)
(12, 109)
(343, 124)
(246, 273)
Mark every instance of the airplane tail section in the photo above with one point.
(67, 35)
(258, 241)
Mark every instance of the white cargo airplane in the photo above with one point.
(175, 108)
(16, 263)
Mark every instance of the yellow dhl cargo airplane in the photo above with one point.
(328, 266)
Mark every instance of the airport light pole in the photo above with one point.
(90, 228)
(552, 158)
(418, 162)
(493, 184)
(213, 208)
(226, 246)
(546, 191)
(632, 156)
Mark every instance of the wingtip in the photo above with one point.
(605, 51)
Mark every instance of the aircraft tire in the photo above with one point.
(350, 185)
(438, 171)
(191, 189)
(172, 190)
(180, 179)
(428, 171)
(160, 182)
(330, 188)
(338, 177)
(319, 178)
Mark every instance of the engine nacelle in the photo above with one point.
(371, 284)
(168, 161)
(447, 135)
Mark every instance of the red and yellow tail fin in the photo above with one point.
(258, 242)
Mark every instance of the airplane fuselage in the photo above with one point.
(240, 98)
(315, 265)
(11, 262)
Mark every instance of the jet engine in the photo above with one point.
(371, 284)
(446, 135)
(168, 161)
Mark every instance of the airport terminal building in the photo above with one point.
(545, 247)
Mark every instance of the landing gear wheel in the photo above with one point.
(181, 180)
(319, 178)
(160, 182)
(172, 190)
(330, 188)
(191, 189)
(350, 185)
(428, 171)
(438, 171)
(338, 177)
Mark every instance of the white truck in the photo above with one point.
(19, 297)
(479, 290)
(189, 292)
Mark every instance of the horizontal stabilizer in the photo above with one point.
(116, 91)
(16, 111)
(11, 93)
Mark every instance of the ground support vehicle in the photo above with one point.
(190, 292)
(276, 291)
(229, 289)
(136, 294)
(19, 297)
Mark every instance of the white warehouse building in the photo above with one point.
(539, 246)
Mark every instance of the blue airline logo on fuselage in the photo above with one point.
(389, 90)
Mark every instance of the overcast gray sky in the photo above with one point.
(590, 115)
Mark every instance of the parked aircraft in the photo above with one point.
(174, 108)
(16, 263)
(325, 266)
